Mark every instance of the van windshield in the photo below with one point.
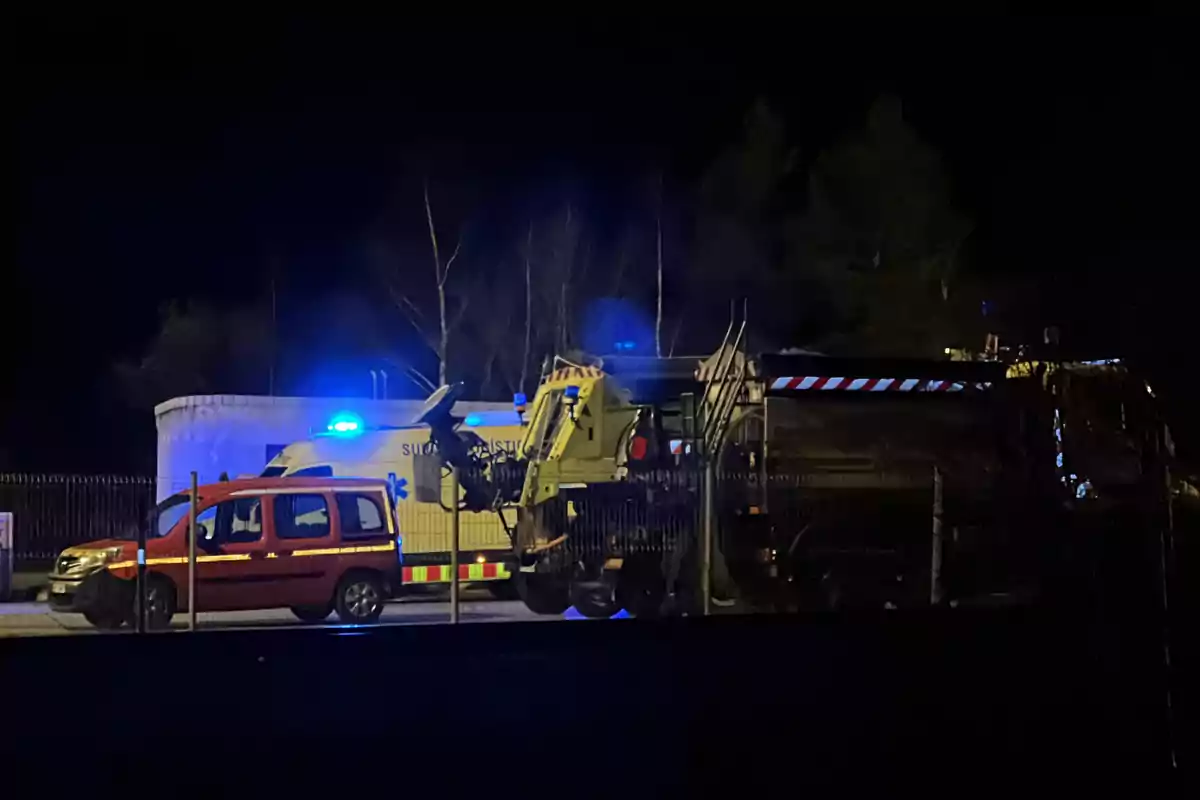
(162, 517)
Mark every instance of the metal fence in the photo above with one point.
(51, 512)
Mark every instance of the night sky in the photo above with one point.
(162, 158)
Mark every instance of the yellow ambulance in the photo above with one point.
(350, 449)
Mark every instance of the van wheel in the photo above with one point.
(103, 621)
(359, 598)
(312, 613)
(160, 603)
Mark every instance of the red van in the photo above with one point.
(314, 545)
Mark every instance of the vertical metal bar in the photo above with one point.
(707, 542)
(192, 556)
(936, 589)
(763, 476)
(140, 598)
(454, 521)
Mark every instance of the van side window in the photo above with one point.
(301, 516)
(245, 523)
(231, 522)
(206, 524)
(361, 515)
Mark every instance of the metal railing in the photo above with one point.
(51, 512)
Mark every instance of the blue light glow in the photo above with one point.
(572, 393)
(473, 420)
(519, 400)
(625, 346)
(573, 613)
(345, 424)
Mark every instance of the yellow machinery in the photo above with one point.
(796, 481)
(801, 481)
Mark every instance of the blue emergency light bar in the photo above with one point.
(345, 424)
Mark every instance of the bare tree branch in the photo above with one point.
(460, 312)
(658, 232)
(412, 373)
(412, 314)
(450, 263)
(439, 275)
(528, 304)
(412, 307)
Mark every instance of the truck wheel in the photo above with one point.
(542, 594)
(312, 613)
(641, 589)
(503, 590)
(104, 621)
(359, 598)
(594, 599)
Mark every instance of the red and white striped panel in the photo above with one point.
(818, 383)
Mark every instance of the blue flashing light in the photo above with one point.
(519, 401)
(473, 420)
(625, 345)
(571, 393)
(345, 424)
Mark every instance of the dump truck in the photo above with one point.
(785, 482)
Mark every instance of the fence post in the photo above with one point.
(454, 520)
(140, 598)
(192, 556)
(707, 543)
(936, 589)
(6, 554)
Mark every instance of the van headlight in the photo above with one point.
(92, 560)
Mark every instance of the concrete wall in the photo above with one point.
(238, 434)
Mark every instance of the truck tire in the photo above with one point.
(503, 590)
(642, 588)
(542, 594)
(594, 599)
(359, 599)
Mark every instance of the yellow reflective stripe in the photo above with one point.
(324, 551)
(502, 571)
(370, 548)
(335, 551)
(420, 574)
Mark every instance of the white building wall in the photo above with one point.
(228, 433)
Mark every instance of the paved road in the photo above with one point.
(36, 619)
